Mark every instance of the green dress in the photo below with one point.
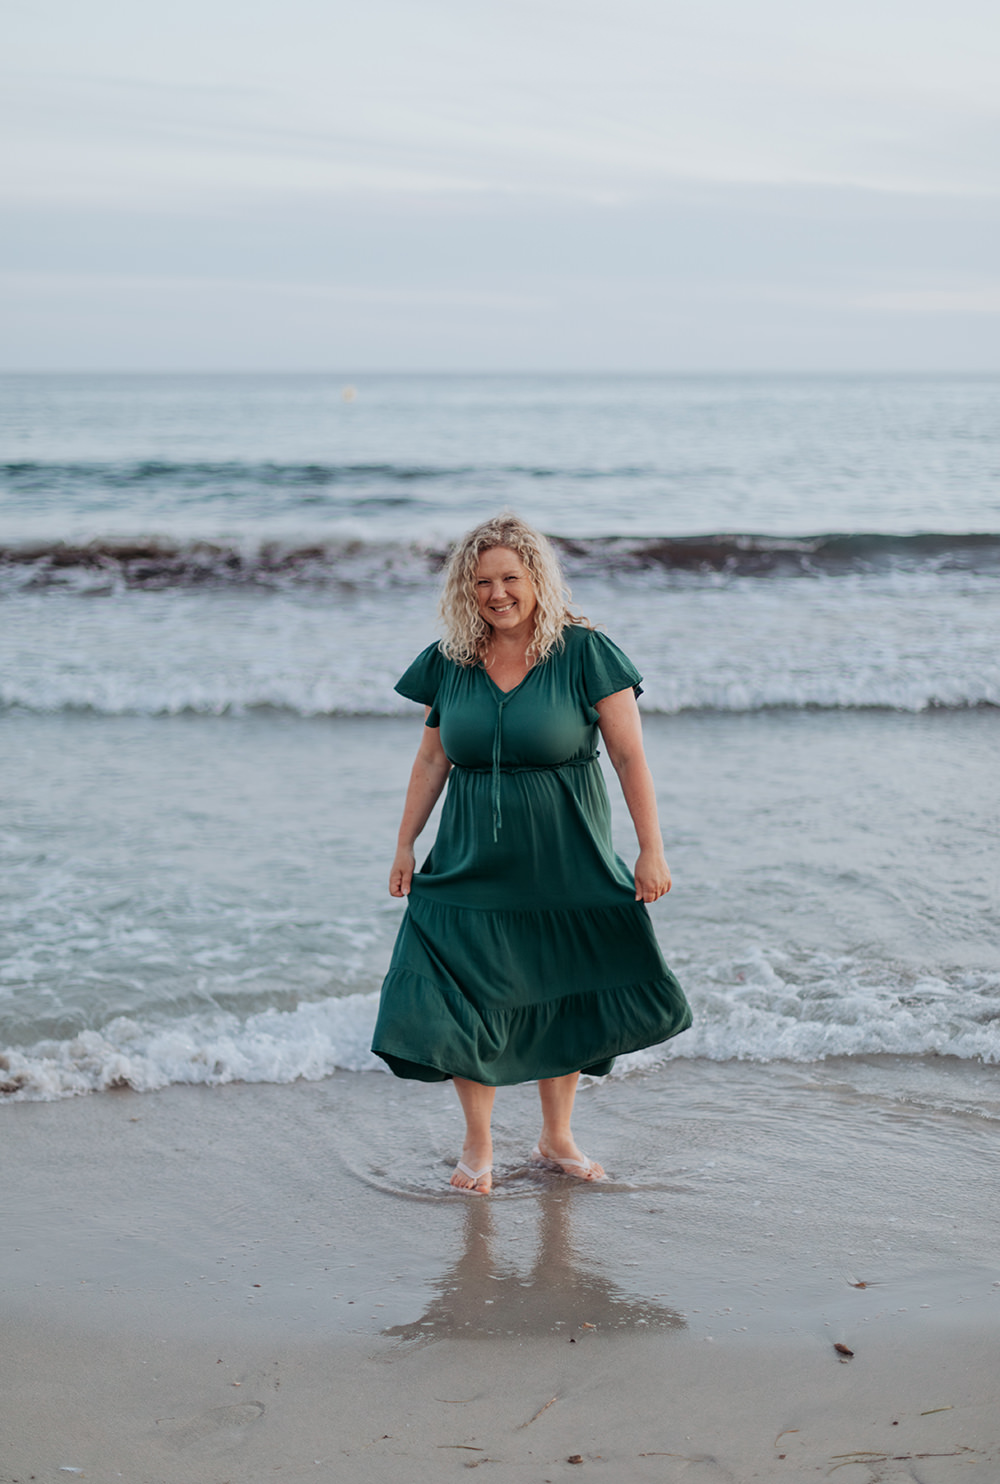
(523, 952)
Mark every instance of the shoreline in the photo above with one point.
(233, 1282)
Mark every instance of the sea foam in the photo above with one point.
(755, 1011)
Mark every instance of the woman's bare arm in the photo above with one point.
(428, 777)
(621, 728)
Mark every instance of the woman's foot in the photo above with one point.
(565, 1157)
(474, 1171)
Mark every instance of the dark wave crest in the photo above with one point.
(155, 563)
(143, 471)
(237, 474)
(752, 555)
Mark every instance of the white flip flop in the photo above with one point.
(564, 1166)
(475, 1176)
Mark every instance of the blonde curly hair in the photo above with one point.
(466, 632)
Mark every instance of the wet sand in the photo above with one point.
(251, 1282)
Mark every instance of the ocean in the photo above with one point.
(208, 585)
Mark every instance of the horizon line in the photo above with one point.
(347, 375)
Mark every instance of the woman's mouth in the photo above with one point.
(505, 609)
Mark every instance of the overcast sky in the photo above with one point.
(501, 184)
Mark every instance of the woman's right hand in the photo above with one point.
(402, 872)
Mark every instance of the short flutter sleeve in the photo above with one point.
(606, 670)
(422, 681)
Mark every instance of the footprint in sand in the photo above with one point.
(220, 1425)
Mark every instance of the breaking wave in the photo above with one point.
(762, 1009)
(156, 563)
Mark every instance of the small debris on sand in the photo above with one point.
(538, 1413)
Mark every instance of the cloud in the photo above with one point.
(985, 300)
(454, 165)
(517, 98)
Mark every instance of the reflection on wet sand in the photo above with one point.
(482, 1294)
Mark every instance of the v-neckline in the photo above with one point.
(499, 690)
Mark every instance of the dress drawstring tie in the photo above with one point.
(495, 772)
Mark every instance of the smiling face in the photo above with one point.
(504, 591)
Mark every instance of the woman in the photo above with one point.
(526, 953)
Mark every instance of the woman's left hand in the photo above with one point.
(652, 876)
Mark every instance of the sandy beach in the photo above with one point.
(238, 1284)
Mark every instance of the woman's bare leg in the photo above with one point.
(556, 1140)
(477, 1151)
